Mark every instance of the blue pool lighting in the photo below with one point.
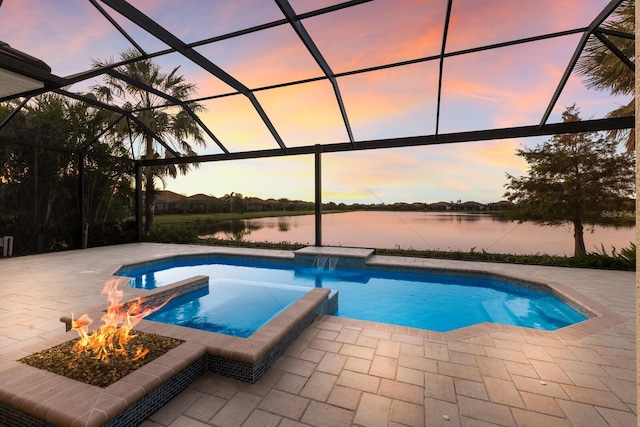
(245, 293)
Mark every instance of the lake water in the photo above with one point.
(423, 231)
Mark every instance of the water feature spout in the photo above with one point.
(321, 261)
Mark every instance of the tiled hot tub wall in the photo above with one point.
(251, 372)
(140, 411)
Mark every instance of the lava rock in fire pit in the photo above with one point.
(64, 360)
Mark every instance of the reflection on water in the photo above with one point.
(423, 230)
(238, 229)
(283, 224)
(233, 229)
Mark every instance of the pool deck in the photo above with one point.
(342, 372)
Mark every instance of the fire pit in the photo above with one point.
(64, 360)
(110, 352)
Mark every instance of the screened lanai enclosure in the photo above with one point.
(103, 100)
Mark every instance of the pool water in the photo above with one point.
(228, 306)
(426, 301)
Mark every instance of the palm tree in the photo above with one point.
(603, 70)
(174, 128)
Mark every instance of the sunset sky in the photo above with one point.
(502, 87)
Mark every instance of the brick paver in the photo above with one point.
(343, 372)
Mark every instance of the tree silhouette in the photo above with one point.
(571, 176)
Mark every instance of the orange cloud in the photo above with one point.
(237, 125)
(503, 87)
(290, 177)
(306, 114)
(494, 154)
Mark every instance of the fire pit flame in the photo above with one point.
(118, 322)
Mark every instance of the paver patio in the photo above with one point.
(347, 372)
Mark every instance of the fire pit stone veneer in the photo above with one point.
(33, 397)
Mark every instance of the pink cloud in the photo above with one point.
(302, 6)
(66, 36)
(378, 32)
(481, 22)
(195, 20)
(265, 58)
(503, 87)
(384, 100)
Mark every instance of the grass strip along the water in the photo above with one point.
(172, 219)
(626, 260)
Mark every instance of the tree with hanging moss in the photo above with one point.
(177, 129)
(572, 179)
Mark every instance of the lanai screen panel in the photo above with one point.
(275, 75)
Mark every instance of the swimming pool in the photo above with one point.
(422, 300)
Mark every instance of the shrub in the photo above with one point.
(623, 260)
(112, 233)
(172, 234)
